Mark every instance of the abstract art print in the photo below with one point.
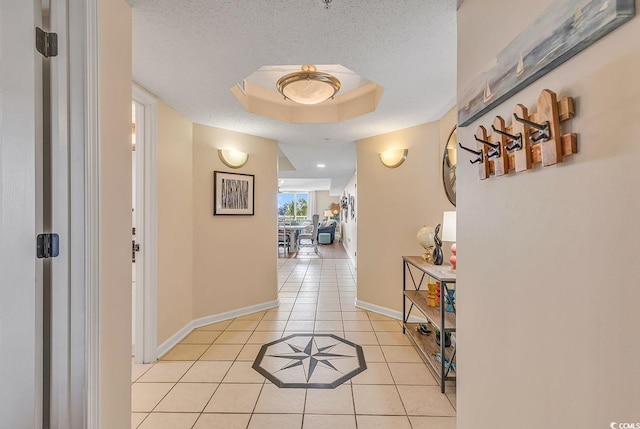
(233, 193)
(565, 28)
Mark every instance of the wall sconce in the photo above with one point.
(335, 209)
(393, 158)
(233, 158)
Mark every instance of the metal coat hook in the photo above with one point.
(495, 148)
(544, 130)
(517, 139)
(477, 153)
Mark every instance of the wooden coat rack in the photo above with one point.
(532, 138)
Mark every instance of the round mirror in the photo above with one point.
(449, 161)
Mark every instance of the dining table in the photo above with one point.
(292, 231)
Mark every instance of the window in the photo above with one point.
(293, 205)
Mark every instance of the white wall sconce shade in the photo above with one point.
(393, 158)
(233, 158)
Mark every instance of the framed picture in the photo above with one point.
(352, 204)
(233, 194)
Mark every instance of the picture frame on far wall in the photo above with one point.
(233, 194)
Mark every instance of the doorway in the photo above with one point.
(135, 248)
(144, 227)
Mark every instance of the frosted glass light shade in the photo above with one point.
(393, 158)
(233, 158)
(308, 91)
(308, 86)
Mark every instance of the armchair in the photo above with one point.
(331, 229)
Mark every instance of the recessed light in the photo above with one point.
(321, 165)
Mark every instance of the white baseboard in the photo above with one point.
(174, 339)
(350, 254)
(170, 342)
(354, 260)
(394, 314)
(207, 320)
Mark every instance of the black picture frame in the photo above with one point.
(233, 194)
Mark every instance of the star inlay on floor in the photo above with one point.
(321, 361)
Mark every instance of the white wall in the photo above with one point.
(349, 227)
(547, 259)
(323, 202)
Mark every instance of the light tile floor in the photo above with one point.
(207, 382)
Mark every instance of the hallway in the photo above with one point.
(207, 381)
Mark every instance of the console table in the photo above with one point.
(417, 270)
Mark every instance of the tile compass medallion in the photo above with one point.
(320, 361)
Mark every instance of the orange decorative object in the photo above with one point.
(432, 296)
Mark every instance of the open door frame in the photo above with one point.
(75, 330)
(146, 300)
(75, 381)
(73, 360)
(75, 333)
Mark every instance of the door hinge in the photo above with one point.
(48, 245)
(46, 43)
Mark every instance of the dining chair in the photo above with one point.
(312, 236)
(283, 240)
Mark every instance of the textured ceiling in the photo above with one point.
(191, 52)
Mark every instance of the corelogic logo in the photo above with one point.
(615, 425)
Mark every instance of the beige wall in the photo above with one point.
(547, 259)
(114, 39)
(323, 202)
(175, 222)
(235, 257)
(393, 203)
(349, 227)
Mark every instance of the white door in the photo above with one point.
(20, 216)
(145, 107)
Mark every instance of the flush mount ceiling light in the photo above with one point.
(393, 158)
(233, 158)
(258, 93)
(308, 86)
